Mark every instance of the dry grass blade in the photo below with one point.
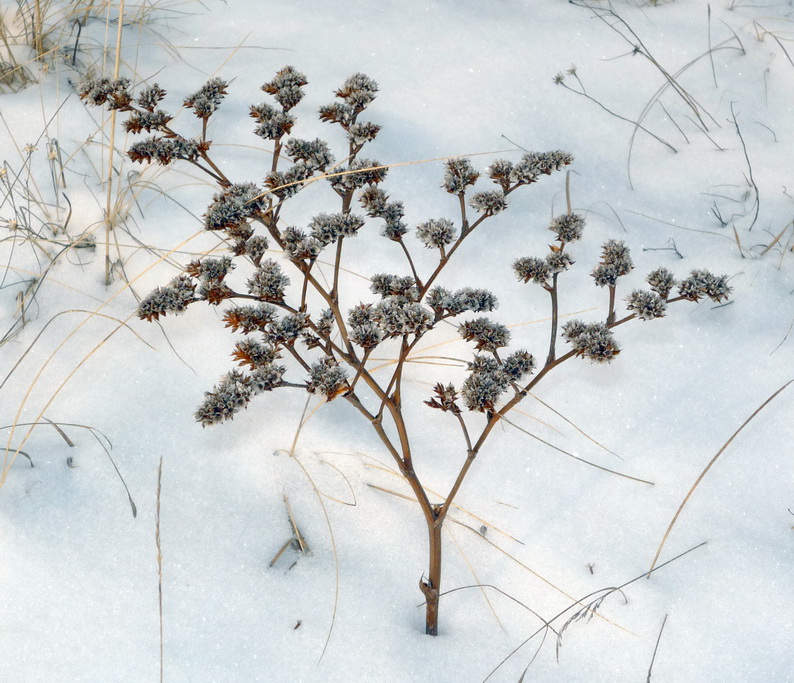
(777, 238)
(474, 574)
(576, 457)
(655, 649)
(707, 468)
(159, 560)
(574, 425)
(60, 431)
(601, 595)
(295, 530)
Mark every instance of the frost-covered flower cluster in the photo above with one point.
(661, 281)
(486, 334)
(114, 92)
(173, 298)
(488, 379)
(459, 175)
(327, 377)
(615, 262)
(358, 173)
(327, 228)
(436, 233)
(646, 305)
(532, 268)
(356, 93)
(377, 205)
(444, 302)
(594, 341)
(568, 227)
(207, 99)
(531, 166)
(286, 87)
(702, 283)
(268, 282)
(165, 150)
(210, 272)
(489, 203)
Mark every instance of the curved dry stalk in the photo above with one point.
(576, 457)
(707, 468)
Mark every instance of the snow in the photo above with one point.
(79, 573)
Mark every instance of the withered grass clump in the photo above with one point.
(296, 327)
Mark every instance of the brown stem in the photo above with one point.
(554, 318)
(431, 586)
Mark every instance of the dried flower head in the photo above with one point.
(206, 100)
(532, 268)
(568, 227)
(173, 298)
(436, 233)
(490, 203)
(327, 377)
(268, 282)
(445, 398)
(326, 228)
(230, 395)
(702, 283)
(484, 385)
(647, 305)
(459, 175)
(593, 341)
(286, 87)
(486, 334)
(661, 281)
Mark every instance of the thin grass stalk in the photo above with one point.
(159, 560)
(109, 178)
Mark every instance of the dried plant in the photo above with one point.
(297, 328)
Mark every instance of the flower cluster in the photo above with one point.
(356, 93)
(490, 203)
(115, 93)
(206, 100)
(568, 227)
(444, 302)
(377, 205)
(328, 228)
(446, 398)
(646, 305)
(531, 166)
(702, 283)
(615, 262)
(661, 281)
(268, 282)
(272, 124)
(486, 334)
(173, 298)
(488, 379)
(395, 285)
(532, 268)
(359, 172)
(165, 150)
(327, 377)
(210, 273)
(436, 233)
(593, 341)
(150, 96)
(286, 87)
(459, 175)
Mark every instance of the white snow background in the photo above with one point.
(79, 573)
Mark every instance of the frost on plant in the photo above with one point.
(301, 321)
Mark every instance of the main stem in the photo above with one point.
(431, 586)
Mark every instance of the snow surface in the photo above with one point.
(78, 574)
